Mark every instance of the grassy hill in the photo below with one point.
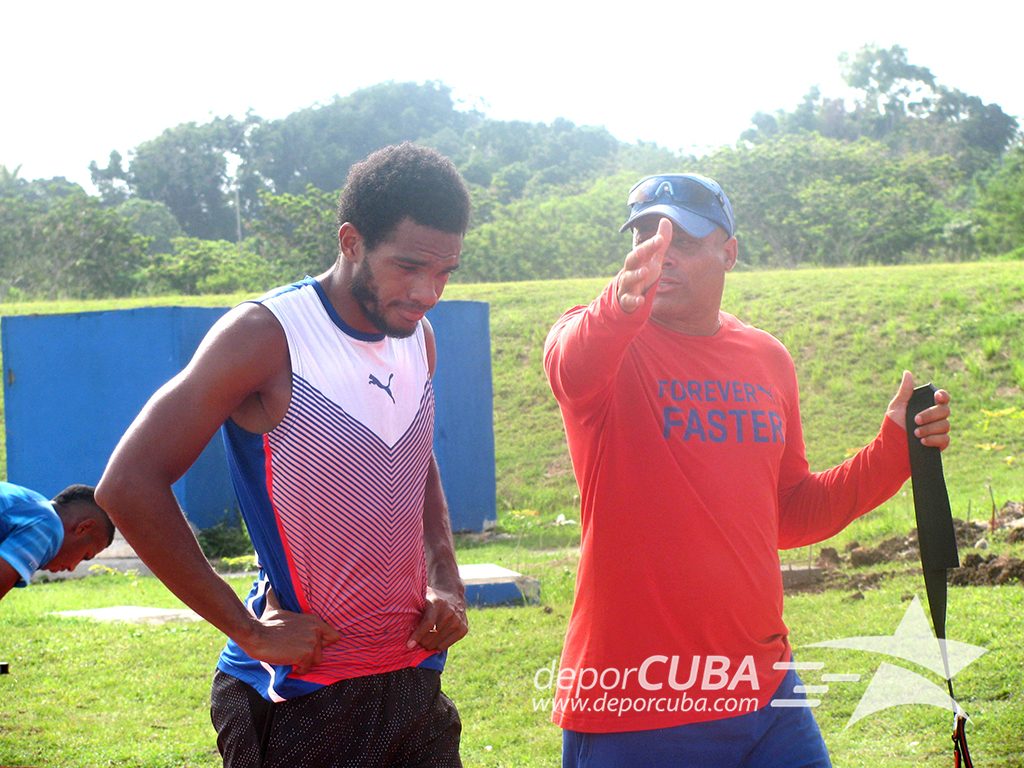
(851, 331)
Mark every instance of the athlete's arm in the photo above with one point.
(444, 621)
(234, 367)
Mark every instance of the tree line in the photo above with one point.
(909, 170)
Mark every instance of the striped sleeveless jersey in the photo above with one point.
(333, 496)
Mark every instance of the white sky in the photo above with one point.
(80, 79)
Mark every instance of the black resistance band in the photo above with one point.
(937, 541)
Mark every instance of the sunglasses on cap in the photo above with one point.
(666, 194)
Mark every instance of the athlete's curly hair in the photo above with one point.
(399, 181)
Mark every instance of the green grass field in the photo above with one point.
(87, 694)
(93, 694)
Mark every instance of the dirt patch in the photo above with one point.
(969, 535)
(831, 575)
(977, 570)
(829, 558)
(857, 582)
(1011, 512)
(842, 570)
(892, 550)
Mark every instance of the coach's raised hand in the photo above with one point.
(642, 267)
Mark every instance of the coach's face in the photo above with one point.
(692, 274)
(401, 279)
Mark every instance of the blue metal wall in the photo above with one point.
(464, 423)
(73, 383)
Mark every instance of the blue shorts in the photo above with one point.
(772, 737)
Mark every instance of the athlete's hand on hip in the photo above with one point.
(642, 268)
(285, 637)
(932, 424)
(443, 622)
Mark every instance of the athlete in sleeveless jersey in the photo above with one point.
(322, 392)
(333, 496)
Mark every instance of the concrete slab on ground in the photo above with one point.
(490, 584)
(132, 614)
(486, 583)
(802, 576)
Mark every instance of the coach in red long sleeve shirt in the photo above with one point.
(683, 424)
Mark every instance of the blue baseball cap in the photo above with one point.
(691, 201)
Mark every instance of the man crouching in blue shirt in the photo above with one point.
(53, 535)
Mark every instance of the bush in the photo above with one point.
(227, 539)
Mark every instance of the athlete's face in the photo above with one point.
(397, 282)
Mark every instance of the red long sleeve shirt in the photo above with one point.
(689, 455)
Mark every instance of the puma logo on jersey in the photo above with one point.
(386, 387)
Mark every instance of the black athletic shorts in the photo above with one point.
(395, 719)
